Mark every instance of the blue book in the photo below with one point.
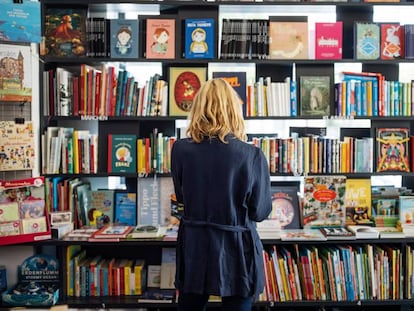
(199, 38)
(124, 37)
(126, 208)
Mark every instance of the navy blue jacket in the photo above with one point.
(225, 189)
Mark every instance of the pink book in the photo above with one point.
(328, 40)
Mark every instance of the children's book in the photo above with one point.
(65, 32)
(392, 41)
(358, 201)
(315, 95)
(102, 207)
(122, 150)
(328, 40)
(302, 235)
(288, 37)
(199, 38)
(367, 40)
(364, 231)
(324, 201)
(113, 231)
(341, 233)
(125, 208)
(160, 38)
(393, 149)
(184, 82)
(406, 212)
(124, 37)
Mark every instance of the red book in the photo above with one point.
(97, 101)
(392, 41)
(328, 40)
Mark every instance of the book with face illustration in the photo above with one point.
(160, 38)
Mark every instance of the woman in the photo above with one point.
(224, 185)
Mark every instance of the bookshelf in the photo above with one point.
(276, 69)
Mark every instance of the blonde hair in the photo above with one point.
(216, 112)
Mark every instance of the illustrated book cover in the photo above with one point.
(102, 206)
(302, 235)
(288, 37)
(124, 37)
(341, 233)
(147, 232)
(358, 201)
(65, 32)
(406, 212)
(324, 201)
(392, 41)
(125, 208)
(367, 40)
(315, 95)
(160, 38)
(122, 150)
(112, 231)
(393, 149)
(184, 84)
(15, 73)
(17, 141)
(328, 40)
(199, 38)
(238, 80)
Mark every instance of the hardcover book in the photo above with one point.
(124, 37)
(288, 37)
(65, 32)
(392, 41)
(102, 206)
(358, 201)
(237, 79)
(199, 38)
(125, 208)
(341, 233)
(302, 235)
(315, 96)
(184, 82)
(34, 225)
(122, 150)
(32, 209)
(364, 231)
(406, 212)
(9, 211)
(324, 201)
(409, 41)
(393, 149)
(328, 40)
(112, 231)
(160, 38)
(367, 40)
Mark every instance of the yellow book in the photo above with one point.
(369, 98)
(139, 274)
(358, 201)
(127, 277)
(75, 152)
(283, 272)
(141, 156)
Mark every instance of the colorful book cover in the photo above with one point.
(358, 201)
(200, 38)
(32, 209)
(9, 228)
(113, 231)
(124, 38)
(15, 73)
(328, 40)
(65, 32)
(324, 201)
(409, 41)
(9, 211)
(406, 212)
(102, 203)
(393, 150)
(367, 40)
(125, 208)
(160, 38)
(184, 82)
(20, 21)
(20, 190)
(288, 37)
(392, 41)
(122, 150)
(34, 225)
(315, 95)
(237, 79)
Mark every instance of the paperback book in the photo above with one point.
(199, 38)
(315, 95)
(393, 149)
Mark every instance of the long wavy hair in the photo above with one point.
(216, 112)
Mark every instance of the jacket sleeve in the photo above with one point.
(176, 172)
(260, 201)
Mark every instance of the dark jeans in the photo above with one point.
(196, 302)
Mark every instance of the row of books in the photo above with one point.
(335, 273)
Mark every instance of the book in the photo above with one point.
(32, 209)
(323, 201)
(288, 37)
(65, 32)
(340, 233)
(367, 40)
(364, 232)
(358, 201)
(393, 149)
(149, 201)
(160, 38)
(112, 231)
(147, 232)
(390, 233)
(102, 204)
(237, 79)
(392, 41)
(34, 225)
(9, 211)
(315, 95)
(409, 41)
(124, 37)
(125, 208)
(302, 235)
(406, 210)
(328, 40)
(122, 150)
(199, 38)
(82, 234)
(184, 82)
(167, 271)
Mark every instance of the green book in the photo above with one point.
(122, 153)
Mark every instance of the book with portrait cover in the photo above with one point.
(358, 201)
(393, 149)
(367, 40)
(237, 79)
(199, 38)
(184, 84)
(124, 37)
(315, 96)
(160, 38)
(324, 201)
(392, 41)
(65, 32)
(288, 37)
(122, 151)
(328, 40)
